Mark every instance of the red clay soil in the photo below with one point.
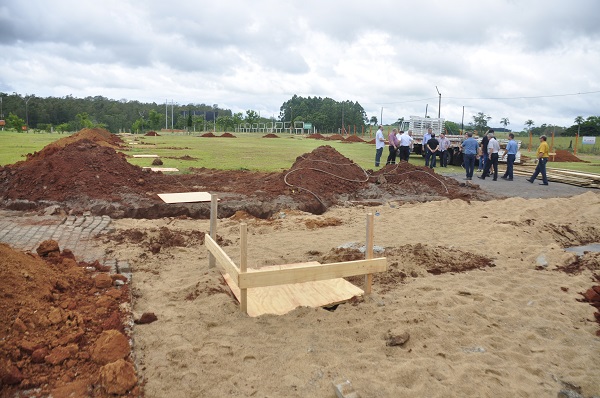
(208, 135)
(88, 175)
(353, 138)
(63, 331)
(335, 137)
(270, 136)
(563, 155)
(152, 134)
(315, 136)
(228, 135)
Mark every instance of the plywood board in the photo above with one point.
(185, 197)
(282, 299)
(161, 168)
(145, 156)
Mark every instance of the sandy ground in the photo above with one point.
(515, 329)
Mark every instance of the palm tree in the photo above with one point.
(578, 120)
(529, 123)
(505, 121)
(373, 120)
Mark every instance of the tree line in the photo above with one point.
(325, 114)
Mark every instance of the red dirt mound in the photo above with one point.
(53, 311)
(152, 134)
(82, 169)
(228, 135)
(208, 135)
(371, 142)
(565, 156)
(270, 136)
(315, 136)
(354, 138)
(335, 137)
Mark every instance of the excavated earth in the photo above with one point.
(89, 172)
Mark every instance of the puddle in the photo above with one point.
(579, 250)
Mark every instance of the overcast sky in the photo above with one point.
(519, 59)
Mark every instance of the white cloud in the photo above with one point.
(256, 55)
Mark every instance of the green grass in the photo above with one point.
(249, 151)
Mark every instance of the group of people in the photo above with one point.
(487, 152)
(399, 143)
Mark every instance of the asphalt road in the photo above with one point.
(520, 187)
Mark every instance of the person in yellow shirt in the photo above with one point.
(542, 154)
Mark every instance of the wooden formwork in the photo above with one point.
(311, 283)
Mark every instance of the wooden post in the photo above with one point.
(355, 129)
(552, 143)
(369, 251)
(213, 227)
(243, 265)
(575, 147)
(529, 148)
(363, 130)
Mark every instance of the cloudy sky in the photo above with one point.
(519, 59)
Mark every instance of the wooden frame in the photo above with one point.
(245, 278)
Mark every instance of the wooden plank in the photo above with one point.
(282, 299)
(243, 264)
(213, 226)
(145, 156)
(222, 258)
(310, 273)
(161, 168)
(185, 197)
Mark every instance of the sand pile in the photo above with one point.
(63, 326)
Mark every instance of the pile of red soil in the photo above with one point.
(152, 134)
(371, 142)
(228, 135)
(565, 156)
(270, 136)
(86, 176)
(354, 138)
(315, 136)
(62, 327)
(82, 169)
(208, 135)
(335, 137)
(98, 136)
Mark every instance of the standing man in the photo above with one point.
(492, 161)
(379, 145)
(443, 150)
(469, 147)
(405, 144)
(432, 145)
(542, 153)
(511, 154)
(393, 142)
(483, 156)
(426, 139)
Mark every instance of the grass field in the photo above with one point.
(249, 151)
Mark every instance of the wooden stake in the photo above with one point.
(243, 265)
(369, 251)
(213, 227)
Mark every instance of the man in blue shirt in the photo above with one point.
(511, 155)
(469, 148)
(427, 152)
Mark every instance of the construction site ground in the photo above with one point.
(109, 220)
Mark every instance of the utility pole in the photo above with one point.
(381, 120)
(463, 121)
(171, 116)
(440, 103)
(166, 114)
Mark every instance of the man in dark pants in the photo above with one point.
(484, 154)
(542, 153)
(511, 154)
(492, 160)
(432, 147)
(426, 151)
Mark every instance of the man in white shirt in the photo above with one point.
(493, 148)
(443, 150)
(405, 144)
(379, 145)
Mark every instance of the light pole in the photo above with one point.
(440, 102)
(26, 99)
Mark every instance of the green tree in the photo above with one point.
(14, 122)
(578, 120)
(504, 121)
(480, 122)
(529, 123)
(251, 116)
(82, 120)
(155, 120)
(373, 120)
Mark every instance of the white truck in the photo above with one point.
(420, 125)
